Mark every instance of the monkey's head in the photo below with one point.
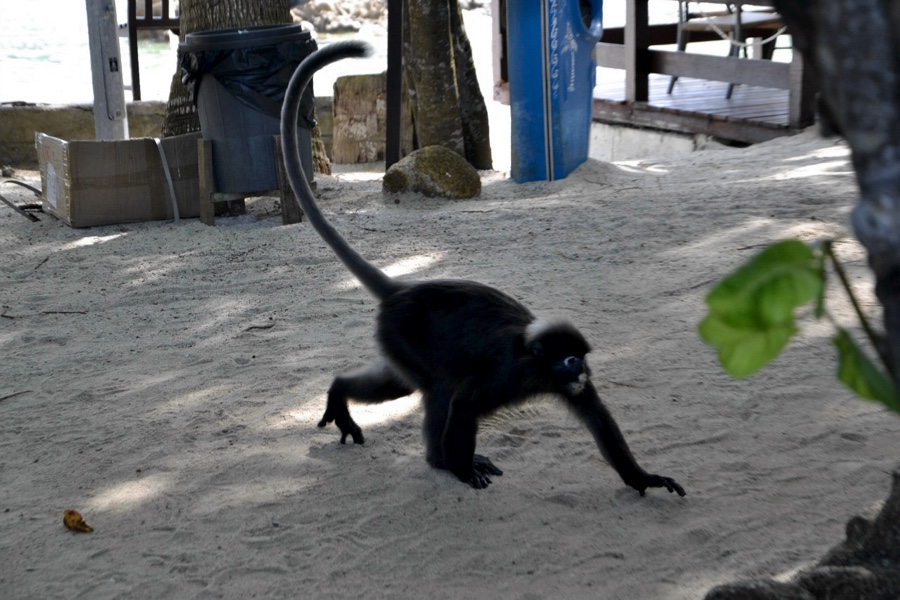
(558, 351)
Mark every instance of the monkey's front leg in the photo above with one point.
(458, 446)
(483, 467)
(479, 474)
(611, 443)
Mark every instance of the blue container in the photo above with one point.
(550, 53)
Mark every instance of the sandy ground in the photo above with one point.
(166, 380)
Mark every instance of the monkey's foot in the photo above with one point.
(660, 481)
(484, 464)
(482, 469)
(345, 423)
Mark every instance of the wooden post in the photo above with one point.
(207, 181)
(394, 82)
(637, 41)
(290, 207)
(110, 117)
(802, 94)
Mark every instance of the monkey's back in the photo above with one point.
(446, 328)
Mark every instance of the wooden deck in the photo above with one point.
(753, 114)
(772, 99)
(635, 63)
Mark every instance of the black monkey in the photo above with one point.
(469, 348)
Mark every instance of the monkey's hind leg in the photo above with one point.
(375, 384)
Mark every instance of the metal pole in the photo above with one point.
(394, 82)
(110, 117)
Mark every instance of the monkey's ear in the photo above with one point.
(524, 345)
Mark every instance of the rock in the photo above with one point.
(360, 118)
(434, 171)
(339, 16)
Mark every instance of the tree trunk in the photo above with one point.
(446, 102)
(853, 50)
(853, 47)
(210, 15)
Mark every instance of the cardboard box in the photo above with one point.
(88, 183)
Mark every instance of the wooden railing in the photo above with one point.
(629, 48)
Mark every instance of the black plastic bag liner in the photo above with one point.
(254, 64)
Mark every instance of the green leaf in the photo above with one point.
(751, 312)
(860, 374)
(771, 285)
(745, 350)
(786, 289)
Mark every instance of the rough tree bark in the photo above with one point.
(447, 106)
(853, 49)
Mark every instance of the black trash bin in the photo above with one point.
(237, 79)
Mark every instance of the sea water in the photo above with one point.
(45, 55)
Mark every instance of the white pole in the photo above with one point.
(110, 117)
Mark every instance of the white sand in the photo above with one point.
(166, 380)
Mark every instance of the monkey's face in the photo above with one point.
(558, 352)
(571, 372)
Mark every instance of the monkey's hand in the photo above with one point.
(482, 469)
(345, 423)
(655, 481)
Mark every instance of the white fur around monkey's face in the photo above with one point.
(576, 387)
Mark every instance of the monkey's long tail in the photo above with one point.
(376, 281)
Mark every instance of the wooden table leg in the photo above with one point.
(207, 183)
(290, 208)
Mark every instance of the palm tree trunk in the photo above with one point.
(447, 106)
(853, 48)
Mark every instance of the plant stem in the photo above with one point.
(874, 338)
